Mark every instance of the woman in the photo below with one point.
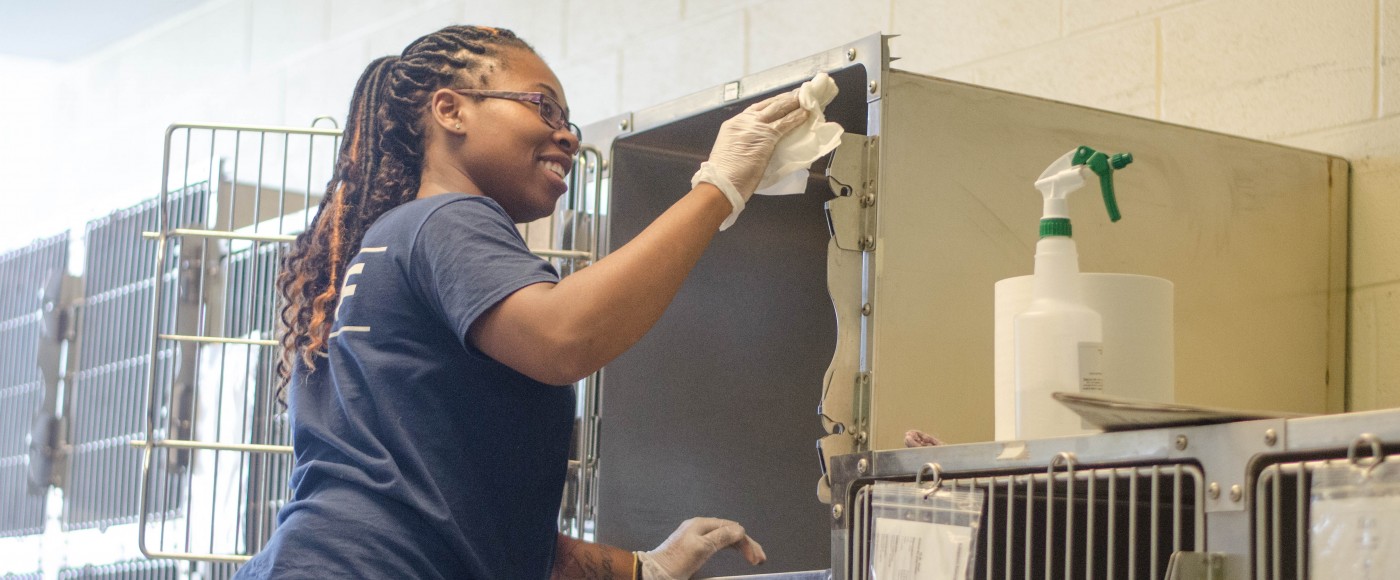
(424, 343)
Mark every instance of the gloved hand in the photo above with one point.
(692, 544)
(745, 145)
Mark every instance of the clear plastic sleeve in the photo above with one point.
(924, 532)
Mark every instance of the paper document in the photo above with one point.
(905, 550)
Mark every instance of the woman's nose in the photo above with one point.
(570, 139)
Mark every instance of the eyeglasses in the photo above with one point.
(551, 111)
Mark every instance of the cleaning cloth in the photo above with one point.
(815, 137)
(792, 154)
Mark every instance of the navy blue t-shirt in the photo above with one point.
(416, 455)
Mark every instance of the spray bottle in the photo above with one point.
(1059, 340)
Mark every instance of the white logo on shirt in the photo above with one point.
(347, 290)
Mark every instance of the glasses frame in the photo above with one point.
(538, 98)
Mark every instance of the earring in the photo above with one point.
(458, 126)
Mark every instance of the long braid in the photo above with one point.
(379, 167)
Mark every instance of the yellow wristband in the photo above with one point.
(636, 566)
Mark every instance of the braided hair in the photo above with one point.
(379, 167)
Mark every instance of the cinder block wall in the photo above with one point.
(1320, 75)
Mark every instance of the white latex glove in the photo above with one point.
(744, 146)
(692, 544)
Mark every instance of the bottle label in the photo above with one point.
(1090, 372)
(1091, 368)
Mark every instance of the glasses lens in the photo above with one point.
(552, 113)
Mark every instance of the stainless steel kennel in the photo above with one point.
(1219, 501)
(845, 316)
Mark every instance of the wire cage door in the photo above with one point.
(1069, 522)
(216, 453)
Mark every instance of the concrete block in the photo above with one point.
(255, 99)
(321, 82)
(592, 86)
(1375, 222)
(29, 113)
(1268, 68)
(280, 29)
(203, 49)
(1076, 70)
(781, 31)
(1389, 59)
(1080, 15)
(409, 25)
(946, 33)
(705, 8)
(1373, 373)
(1378, 138)
(358, 16)
(598, 25)
(682, 60)
(33, 124)
(540, 22)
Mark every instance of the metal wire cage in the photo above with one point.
(1104, 522)
(216, 455)
(1282, 507)
(29, 278)
(107, 404)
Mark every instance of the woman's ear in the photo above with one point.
(448, 110)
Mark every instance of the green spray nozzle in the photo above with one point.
(1103, 166)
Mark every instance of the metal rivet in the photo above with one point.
(625, 125)
(867, 242)
(866, 309)
(836, 512)
(862, 466)
(867, 200)
(873, 86)
(850, 54)
(1181, 442)
(1236, 493)
(860, 437)
(1213, 490)
(1270, 437)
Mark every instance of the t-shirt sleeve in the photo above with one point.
(467, 257)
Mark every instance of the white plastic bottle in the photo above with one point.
(1058, 340)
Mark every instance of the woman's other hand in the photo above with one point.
(692, 544)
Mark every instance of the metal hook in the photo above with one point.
(936, 472)
(1063, 457)
(1377, 453)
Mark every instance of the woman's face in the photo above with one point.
(510, 153)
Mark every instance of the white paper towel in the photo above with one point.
(787, 170)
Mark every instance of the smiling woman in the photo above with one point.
(424, 344)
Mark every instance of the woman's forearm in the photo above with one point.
(560, 333)
(577, 559)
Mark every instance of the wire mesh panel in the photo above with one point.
(577, 231)
(230, 435)
(109, 397)
(1108, 523)
(134, 570)
(215, 419)
(1282, 516)
(25, 274)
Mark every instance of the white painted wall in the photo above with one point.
(80, 140)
